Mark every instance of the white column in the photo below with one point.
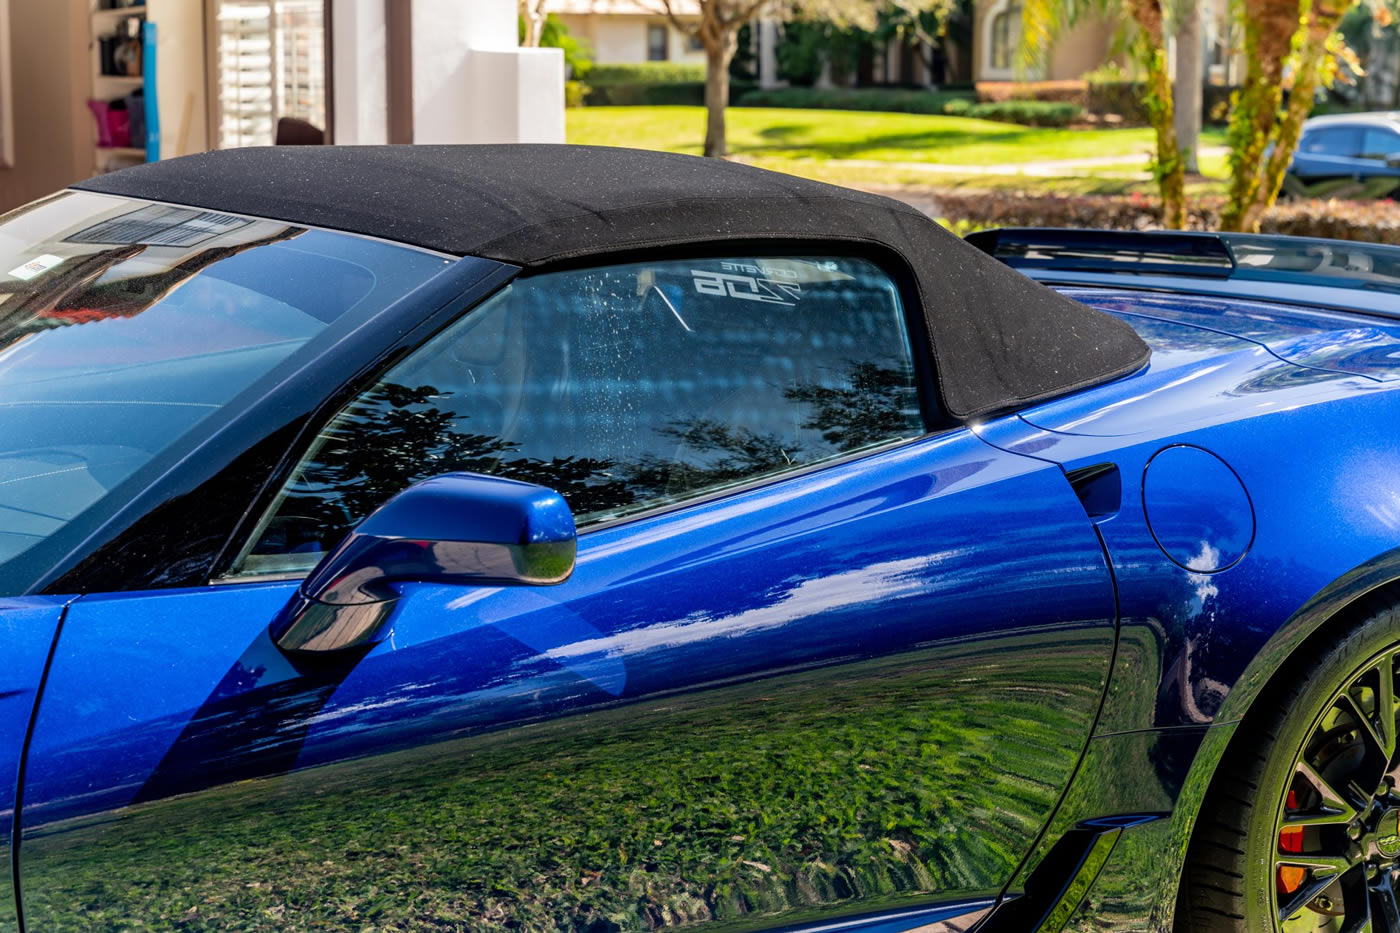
(768, 54)
(358, 79)
(472, 84)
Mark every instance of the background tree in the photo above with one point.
(1042, 21)
(812, 48)
(1372, 33)
(945, 27)
(532, 18)
(717, 27)
(1186, 94)
(1292, 46)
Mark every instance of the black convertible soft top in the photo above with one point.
(999, 340)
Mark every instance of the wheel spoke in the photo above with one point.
(1341, 807)
(1332, 808)
(1385, 704)
(1305, 893)
(1367, 726)
(1385, 904)
(1328, 866)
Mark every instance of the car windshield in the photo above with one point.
(124, 324)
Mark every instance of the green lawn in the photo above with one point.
(789, 134)
(747, 805)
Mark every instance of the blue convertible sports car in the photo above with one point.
(536, 538)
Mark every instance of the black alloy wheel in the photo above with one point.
(1300, 832)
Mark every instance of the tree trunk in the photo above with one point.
(1322, 21)
(532, 12)
(1268, 29)
(1151, 50)
(1187, 91)
(1171, 180)
(952, 59)
(717, 56)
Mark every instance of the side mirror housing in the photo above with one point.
(456, 528)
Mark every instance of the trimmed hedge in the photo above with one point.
(877, 99)
(574, 93)
(1027, 112)
(1124, 98)
(655, 94)
(1364, 221)
(646, 73)
(1063, 92)
(652, 84)
(957, 103)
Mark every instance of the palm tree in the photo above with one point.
(1286, 42)
(1042, 21)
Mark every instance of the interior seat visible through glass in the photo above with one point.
(624, 388)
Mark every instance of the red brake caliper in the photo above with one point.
(1290, 878)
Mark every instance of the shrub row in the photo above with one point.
(1367, 221)
(1028, 112)
(957, 103)
(1125, 98)
(1110, 91)
(892, 100)
(645, 84)
(1065, 92)
(654, 94)
(646, 73)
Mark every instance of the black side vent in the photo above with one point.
(1056, 888)
(1099, 488)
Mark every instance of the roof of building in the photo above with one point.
(624, 7)
(999, 340)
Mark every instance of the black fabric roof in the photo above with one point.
(999, 340)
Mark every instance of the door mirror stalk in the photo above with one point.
(460, 528)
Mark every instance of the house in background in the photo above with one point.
(631, 31)
(996, 36)
(624, 32)
(1089, 46)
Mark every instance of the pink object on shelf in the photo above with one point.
(113, 124)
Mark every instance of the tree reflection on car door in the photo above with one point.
(814, 659)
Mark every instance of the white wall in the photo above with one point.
(472, 84)
(180, 77)
(358, 63)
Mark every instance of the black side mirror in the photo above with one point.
(455, 528)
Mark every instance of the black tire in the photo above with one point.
(1307, 781)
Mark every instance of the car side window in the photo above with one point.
(623, 388)
(1379, 143)
(1333, 141)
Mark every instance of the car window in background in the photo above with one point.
(123, 324)
(623, 388)
(1379, 143)
(1333, 141)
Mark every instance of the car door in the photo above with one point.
(1328, 160)
(1380, 147)
(823, 652)
(27, 628)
